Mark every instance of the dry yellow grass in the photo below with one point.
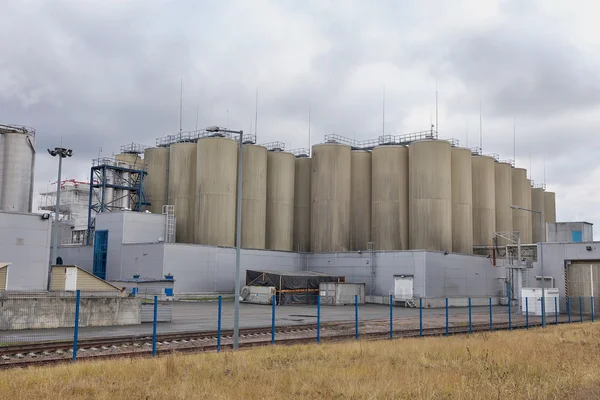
(559, 362)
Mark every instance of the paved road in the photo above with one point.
(202, 316)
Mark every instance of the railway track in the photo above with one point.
(193, 342)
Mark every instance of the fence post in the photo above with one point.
(391, 318)
(491, 325)
(356, 316)
(155, 318)
(421, 316)
(274, 302)
(556, 310)
(319, 318)
(592, 308)
(580, 311)
(470, 317)
(446, 316)
(219, 324)
(569, 308)
(509, 312)
(526, 312)
(76, 331)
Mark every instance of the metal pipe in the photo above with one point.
(542, 268)
(238, 241)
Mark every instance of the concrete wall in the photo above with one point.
(59, 312)
(25, 242)
(556, 256)
(561, 232)
(142, 227)
(202, 269)
(435, 274)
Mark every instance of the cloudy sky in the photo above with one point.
(96, 74)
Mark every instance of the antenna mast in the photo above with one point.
(309, 149)
(480, 129)
(180, 105)
(197, 108)
(256, 113)
(383, 106)
(436, 109)
(515, 140)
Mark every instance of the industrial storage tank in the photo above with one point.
(520, 190)
(484, 200)
(126, 160)
(254, 196)
(155, 184)
(529, 214)
(462, 201)
(504, 199)
(17, 161)
(182, 189)
(430, 195)
(302, 189)
(389, 223)
(360, 200)
(537, 204)
(550, 207)
(330, 196)
(216, 189)
(281, 168)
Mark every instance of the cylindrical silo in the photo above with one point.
(360, 200)
(281, 167)
(17, 160)
(122, 196)
(430, 195)
(538, 232)
(254, 196)
(550, 207)
(182, 189)
(484, 200)
(529, 214)
(520, 191)
(462, 201)
(302, 204)
(156, 182)
(504, 199)
(330, 196)
(216, 189)
(389, 223)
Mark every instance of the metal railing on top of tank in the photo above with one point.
(189, 137)
(274, 146)
(6, 128)
(133, 148)
(507, 161)
(247, 138)
(476, 151)
(538, 185)
(111, 162)
(300, 152)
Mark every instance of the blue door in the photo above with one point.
(576, 236)
(100, 251)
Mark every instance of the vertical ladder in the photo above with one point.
(169, 211)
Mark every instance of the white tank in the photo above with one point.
(17, 159)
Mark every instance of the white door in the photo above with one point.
(71, 279)
(403, 287)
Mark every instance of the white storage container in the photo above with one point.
(258, 294)
(341, 294)
(534, 301)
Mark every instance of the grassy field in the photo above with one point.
(558, 362)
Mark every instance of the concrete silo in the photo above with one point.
(156, 182)
(360, 200)
(430, 195)
(182, 189)
(550, 207)
(17, 165)
(254, 197)
(537, 204)
(390, 198)
(462, 201)
(302, 204)
(520, 191)
(281, 168)
(330, 196)
(216, 189)
(529, 214)
(504, 199)
(484, 200)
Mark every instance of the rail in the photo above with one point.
(301, 153)
(274, 146)
(133, 148)
(6, 128)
